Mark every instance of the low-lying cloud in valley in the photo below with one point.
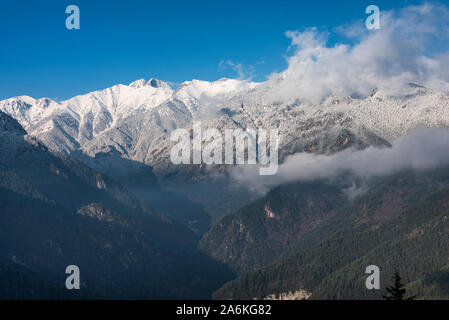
(422, 149)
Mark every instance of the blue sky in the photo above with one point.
(121, 41)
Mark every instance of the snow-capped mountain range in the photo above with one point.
(135, 120)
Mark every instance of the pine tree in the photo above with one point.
(397, 290)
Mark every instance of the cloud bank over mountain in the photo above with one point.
(422, 149)
(411, 46)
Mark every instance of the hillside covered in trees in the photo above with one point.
(401, 223)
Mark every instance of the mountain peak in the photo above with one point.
(138, 83)
(155, 83)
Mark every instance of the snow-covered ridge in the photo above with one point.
(69, 124)
(199, 88)
(136, 119)
(119, 100)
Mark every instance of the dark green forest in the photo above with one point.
(401, 223)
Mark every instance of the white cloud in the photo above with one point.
(422, 149)
(243, 73)
(412, 46)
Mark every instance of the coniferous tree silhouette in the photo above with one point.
(397, 290)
